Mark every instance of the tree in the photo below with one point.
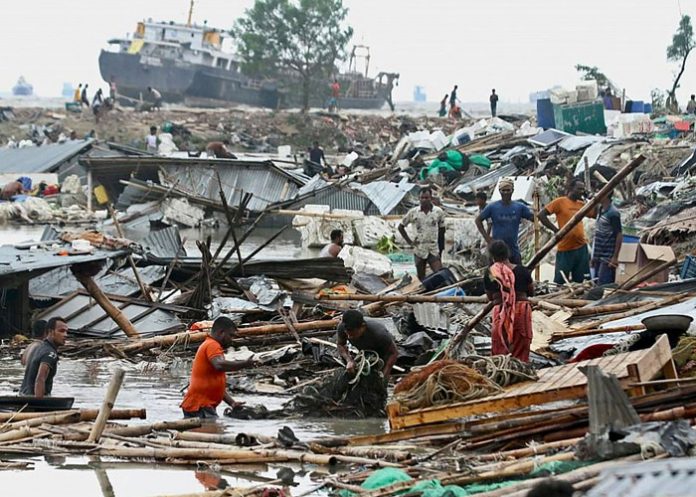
(657, 97)
(682, 45)
(302, 38)
(592, 72)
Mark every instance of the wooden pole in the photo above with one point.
(632, 283)
(85, 414)
(601, 309)
(107, 406)
(188, 337)
(131, 262)
(537, 230)
(578, 217)
(114, 312)
(404, 298)
(454, 341)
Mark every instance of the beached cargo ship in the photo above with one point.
(193, 64)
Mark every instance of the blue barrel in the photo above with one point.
(545, 118)
(637, 106)
(647, 108)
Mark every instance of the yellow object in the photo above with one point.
(136, 46)
(101, 195)
(212, 37)
(140, 30)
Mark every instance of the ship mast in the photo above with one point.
(190, 16)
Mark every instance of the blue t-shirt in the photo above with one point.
(607, 229)
(506, 222)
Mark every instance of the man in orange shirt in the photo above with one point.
(208, 386)
(573, 256)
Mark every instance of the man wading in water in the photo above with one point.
(208, 386)
(42, 363)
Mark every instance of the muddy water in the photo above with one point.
(159, 391)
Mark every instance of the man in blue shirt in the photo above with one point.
(607, 242)
(505, 216)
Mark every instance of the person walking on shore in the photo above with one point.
(493, 99)
(84, 98)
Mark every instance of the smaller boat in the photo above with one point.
(22, 88)
(31, 404)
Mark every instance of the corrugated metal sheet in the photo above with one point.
(267, 182)
(17, 265)
(44, 159)
(60, 282)
(337, 198)
(674, 477)
(431, 316)
(386, 195)
(164, 243)
(85, 318)
(486, 181)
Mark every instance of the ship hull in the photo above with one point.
(201, 85)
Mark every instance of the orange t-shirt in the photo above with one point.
(207, 387)
(564, 208)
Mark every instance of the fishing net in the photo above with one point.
(446, 381)
(443, 382)
(359, 395)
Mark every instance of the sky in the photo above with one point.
(514, 46)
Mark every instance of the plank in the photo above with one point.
(558, 383)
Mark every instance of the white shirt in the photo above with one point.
(151, 142)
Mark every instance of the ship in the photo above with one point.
(22, 88)
(194, 65)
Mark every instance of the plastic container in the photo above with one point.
(545, 117)
(101, 195)
(452, 292)
(439, 279)
(631, 239)
(638, 106)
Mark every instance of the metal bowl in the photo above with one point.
(667, 322)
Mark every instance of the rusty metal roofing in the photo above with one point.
(86, 318)
(43, 159)
(674, 477)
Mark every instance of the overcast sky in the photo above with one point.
(515, 46)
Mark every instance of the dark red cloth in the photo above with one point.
(521, 332)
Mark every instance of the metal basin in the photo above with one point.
(667, 322)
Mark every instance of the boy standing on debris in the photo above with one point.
(152, 141)
(365, 334)
(505, 216)
(430, 233)
(607, 242)
(573, 256)
(509, 286)
(208, 385)
(42, 364)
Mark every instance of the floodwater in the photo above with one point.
(159, 391)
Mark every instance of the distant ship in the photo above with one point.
(22, 88)
(187, 63)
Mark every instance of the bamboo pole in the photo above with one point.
(22, 432)
(195, 337)
(602, 309)
(114, 312)
(537, 231)
(578, 217)
(51, 419)
(85, 414)
(239, 455)
(404, 298)
(533, 450)
(455, 340)
(638, 310)
(107, 406)
(555, 337)
(140, 430)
